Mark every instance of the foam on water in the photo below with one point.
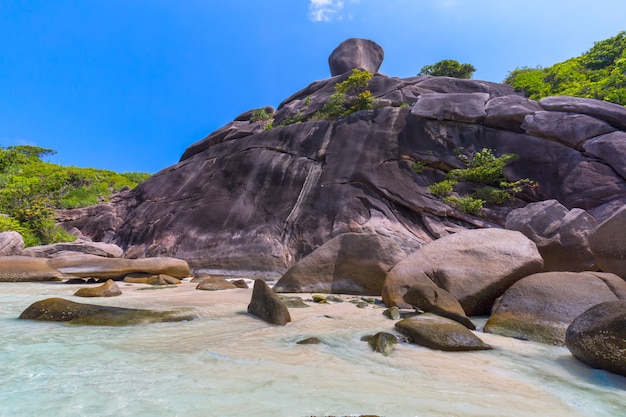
(227, 363)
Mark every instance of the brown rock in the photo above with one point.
(215, 284)
(350, 263)
(113, 268)
(608, 244)
(11, 244)
(266, 305)
(432, 299)
(475, 266)
(540, 307)
(108, 289)
(436, 332)
(25, 268)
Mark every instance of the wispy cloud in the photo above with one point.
(325, 10)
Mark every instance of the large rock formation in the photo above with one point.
(608, 244)
(475, 266)
(247, 198)
(25, 269)
(351, 263)
(561, 235)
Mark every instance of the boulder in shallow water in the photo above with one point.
(26, 269)
(215, 284)
(440, 333)
(381, 342)
(540, 307)
(59, 309)
(266, 305)
(475, 266)
(108, 289)
(598, 337)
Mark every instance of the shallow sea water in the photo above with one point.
(227, 363)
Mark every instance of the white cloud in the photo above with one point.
(325, 10)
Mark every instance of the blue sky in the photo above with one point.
(127, 85)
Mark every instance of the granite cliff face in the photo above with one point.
(250, 199)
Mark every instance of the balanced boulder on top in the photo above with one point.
(356, 53)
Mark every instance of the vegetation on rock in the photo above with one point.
(32, 189)
(449, 68)
(485, 171)
(599, 73)
(350, 96)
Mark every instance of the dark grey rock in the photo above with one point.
(611, 149)
(356, 53)
(608, 243)
(568, 128)
(508, 112)
(459, 107)
(560, 234)
(598, 337)
(612, 113)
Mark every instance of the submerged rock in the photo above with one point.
(440, 333)
(381, 342)
(598, 337)
(266, 305)
(215, 284)
(59, 309)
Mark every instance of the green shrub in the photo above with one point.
(260, 115)
(485, 170)
(443, 188)
(465, 204)
(350, 95)
(419, 166)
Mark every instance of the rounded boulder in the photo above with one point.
(356, 53)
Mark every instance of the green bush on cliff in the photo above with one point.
(485, 171)
(449, 68)
(32, 189)
(350, 95)
(599, 73)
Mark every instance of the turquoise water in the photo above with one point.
(226, 363)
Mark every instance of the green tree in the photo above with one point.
(31, 190)
(449, 68)
(599, 73)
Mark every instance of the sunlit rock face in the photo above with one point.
(250, 198)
